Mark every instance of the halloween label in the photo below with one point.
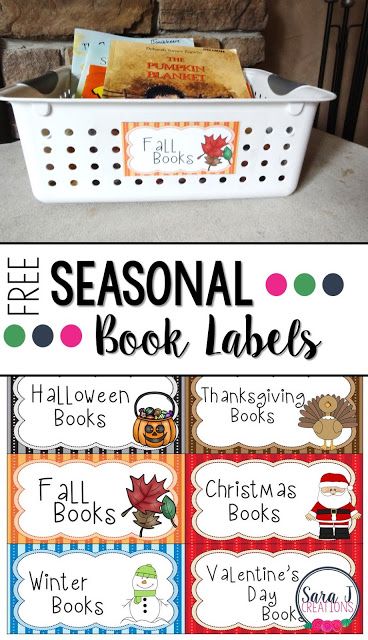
(109, 590)
(256, 590)
(289, 499)
(111, 499)
(288, 412)
(85, 412)
(158, 148)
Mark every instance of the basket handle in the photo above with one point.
(282, 87)
(160, 393)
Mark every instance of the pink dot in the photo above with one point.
(276, 284)
(71, 335)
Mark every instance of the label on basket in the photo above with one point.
(164, 148)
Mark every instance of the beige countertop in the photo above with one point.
(330, 204)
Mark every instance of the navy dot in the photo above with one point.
(333, 284)
(42, 335)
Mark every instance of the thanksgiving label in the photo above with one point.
(108, 590)
(85, 412)
(288, 499)
(288, 413)
(109, 499)
(256, 590)
(159, 148)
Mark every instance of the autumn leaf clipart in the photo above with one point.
(214, 149)
(144, 498)
(144, 495)
(146, 520)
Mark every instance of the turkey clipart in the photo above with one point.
(328, 416)
(145, 609)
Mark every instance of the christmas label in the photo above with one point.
(177, 148)
(289, 499)
(305, 414)
(110, 499)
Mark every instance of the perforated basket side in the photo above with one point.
(75, 152)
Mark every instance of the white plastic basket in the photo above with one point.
(104, 150)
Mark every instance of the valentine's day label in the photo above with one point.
(81, 590)
(90, 411)
(160, 148)
(289, 499)
(110, 499)
(303, 414)
(256, 590)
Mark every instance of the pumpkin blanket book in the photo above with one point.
(137, 70)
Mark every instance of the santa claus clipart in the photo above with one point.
(333, 510)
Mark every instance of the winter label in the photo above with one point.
(159, 148)
(110, 499)
(256, 590)
(81, 590)
(108, 412)
(289, 499)
(288, 412)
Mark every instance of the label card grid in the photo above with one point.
(165, 504)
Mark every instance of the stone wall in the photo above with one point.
(36, 35)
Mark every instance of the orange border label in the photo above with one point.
(17, 536)
(179, 148)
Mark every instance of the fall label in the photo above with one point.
(111, 499)
(180, 148)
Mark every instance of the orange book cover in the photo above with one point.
(94, 82)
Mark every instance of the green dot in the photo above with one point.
(304, 284)
(14, 335)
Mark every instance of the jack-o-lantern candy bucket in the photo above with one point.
(154, 428)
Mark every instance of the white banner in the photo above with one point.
(149, 309)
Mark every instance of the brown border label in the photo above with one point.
(194, 444)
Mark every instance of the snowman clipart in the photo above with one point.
(145, 609)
